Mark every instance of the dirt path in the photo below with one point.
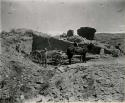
(102, 61)
(119, 60)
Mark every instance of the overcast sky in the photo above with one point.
(57, 16)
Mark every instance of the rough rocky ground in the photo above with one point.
(96, 80)
(22, 81)
(93, 81)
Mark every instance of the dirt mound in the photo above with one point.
(90, 83)
(17, 77)
(18, 74)
(21, 79)
(33, 40)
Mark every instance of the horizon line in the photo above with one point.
(59, 32)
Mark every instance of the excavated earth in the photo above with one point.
(23, 81)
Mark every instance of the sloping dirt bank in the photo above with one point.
(92, 81)
(22, 81)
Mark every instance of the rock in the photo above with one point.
(25, 89)
(2, 84)
(39, 101)
(39, 81)
(85, 86)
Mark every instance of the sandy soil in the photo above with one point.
(96, 80)
(23, 81)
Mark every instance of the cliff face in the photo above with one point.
(29, 40)
(10, 40)
(50, 43)
(26, 45)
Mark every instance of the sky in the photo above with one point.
(58, 16)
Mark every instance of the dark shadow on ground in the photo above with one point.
(77, 60)
(66, 62)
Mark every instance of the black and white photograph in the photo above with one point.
(68, 51)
